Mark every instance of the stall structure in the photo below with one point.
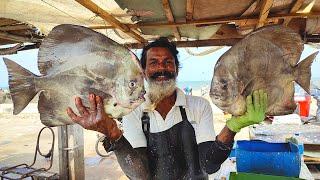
(190, 23)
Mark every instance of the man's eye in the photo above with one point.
(132, 84)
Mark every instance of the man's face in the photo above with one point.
(160, 74)
(160, 65)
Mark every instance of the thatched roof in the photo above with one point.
(189, 22)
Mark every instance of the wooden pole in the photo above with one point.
(71, 152)
(11, 37)
(248, 20)
(264, 12)
(169, 15)
(110, 19)
(294, 9)
(196, 43)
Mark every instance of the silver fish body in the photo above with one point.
(265, 59)
(75, 61)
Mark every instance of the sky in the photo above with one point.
(193, 68)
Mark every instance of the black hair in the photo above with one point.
(160, 42)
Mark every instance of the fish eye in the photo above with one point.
(132, 84)
(223, 81)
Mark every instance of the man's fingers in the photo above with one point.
(100, 109)
(256, 101)
(93, 105)
(81, 108)
(265, 100)
(75, 118)
(262, 104)
(249, 103)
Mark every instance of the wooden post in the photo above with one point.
(71, 152)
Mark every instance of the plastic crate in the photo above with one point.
(280, 159)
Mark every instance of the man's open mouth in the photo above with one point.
(160, 76)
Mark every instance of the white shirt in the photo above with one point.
(199, 114)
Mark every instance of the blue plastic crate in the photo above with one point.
(281, 159)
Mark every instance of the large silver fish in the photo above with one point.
(76, 61)
(265, 59)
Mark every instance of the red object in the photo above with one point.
(304, 105)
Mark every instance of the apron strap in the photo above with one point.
(183, 113)
(145, 119)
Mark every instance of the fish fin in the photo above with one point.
(66, 41)
(51, 110)
(21, 85)
(302, 72)
(286, 39)
(45, 109)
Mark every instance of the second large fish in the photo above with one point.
(266, 59)
(76, 61)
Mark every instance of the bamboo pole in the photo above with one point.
(110, 19)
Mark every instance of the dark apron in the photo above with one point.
(173, 154)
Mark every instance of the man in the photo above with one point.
(176, 139)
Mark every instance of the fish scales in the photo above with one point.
(265, 59)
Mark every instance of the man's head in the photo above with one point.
(160, 64)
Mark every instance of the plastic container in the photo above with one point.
(252, 176)
(280, 159)
(304, 104)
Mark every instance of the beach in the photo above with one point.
(18, 136)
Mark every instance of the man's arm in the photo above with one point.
(133, 161)
(213, 153)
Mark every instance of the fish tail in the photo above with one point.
(302, 72)
(21, 85)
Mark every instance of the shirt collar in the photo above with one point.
(181, 98)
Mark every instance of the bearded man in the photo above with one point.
(171, 136)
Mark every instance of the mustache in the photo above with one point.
(167, 74)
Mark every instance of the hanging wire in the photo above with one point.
(63, 12)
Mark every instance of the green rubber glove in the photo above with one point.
(255, 114)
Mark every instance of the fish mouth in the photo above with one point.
(133, 103)
(138, 100)
(218, 100)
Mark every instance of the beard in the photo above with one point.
(158, 90)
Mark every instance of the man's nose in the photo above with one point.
(162, 65)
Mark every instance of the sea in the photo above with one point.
(195, 85)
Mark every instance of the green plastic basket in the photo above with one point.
(249, 176)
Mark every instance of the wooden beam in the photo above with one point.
(249, 20)
(264, 12)
(217, 42)
(197, 43)
(169, 15)
(296, 6)
(15, 27)
(189, 10)
(110, 19)
(11, 50)
(5, 21)
(16, 38)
